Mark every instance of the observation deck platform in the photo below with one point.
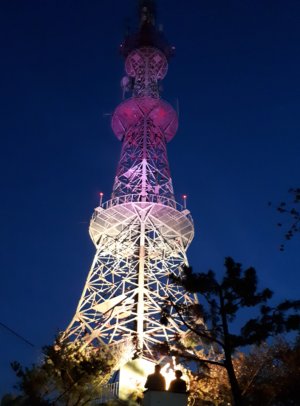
(162, 216)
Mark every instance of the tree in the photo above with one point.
(209, 385)
(66, 375)
(290, 210)
(223, 301)
(268, 374)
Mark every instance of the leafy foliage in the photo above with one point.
(267, 375)
(290, 211)
(271, 374)
(66, 375)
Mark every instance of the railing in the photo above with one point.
(148, 199)
(109, 392)
(138, 198)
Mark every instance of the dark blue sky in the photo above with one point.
(236, 77)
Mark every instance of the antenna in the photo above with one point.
(147, 12)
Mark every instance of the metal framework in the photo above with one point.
(141, 235)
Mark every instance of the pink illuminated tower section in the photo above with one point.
(141, 235)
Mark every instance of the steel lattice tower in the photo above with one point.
(141, 234)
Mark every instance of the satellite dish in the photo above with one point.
(126, 84)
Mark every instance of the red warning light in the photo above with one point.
(101, 198)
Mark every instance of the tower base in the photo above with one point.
(133, 376)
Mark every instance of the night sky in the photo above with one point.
(236, 80)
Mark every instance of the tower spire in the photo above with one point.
(147, 33)
(147, 12)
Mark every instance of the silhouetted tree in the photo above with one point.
(222, 303)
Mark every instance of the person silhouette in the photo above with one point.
(178, 385)
(155, 381)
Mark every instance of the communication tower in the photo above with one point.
(141, 234)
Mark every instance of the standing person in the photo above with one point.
(178, 385)
(156, 382)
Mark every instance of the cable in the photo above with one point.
(17, 335)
